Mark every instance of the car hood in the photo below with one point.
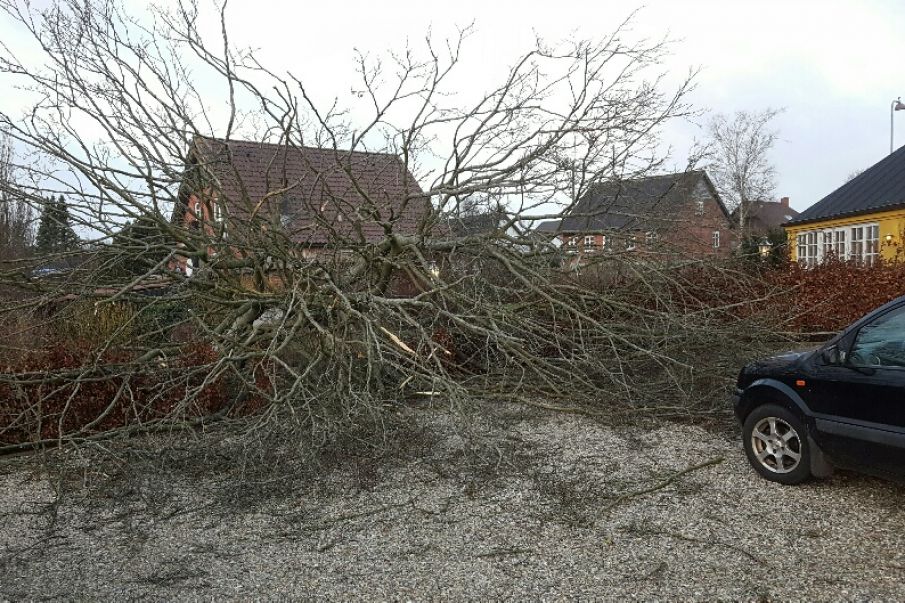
(782, 360)
(773, 366)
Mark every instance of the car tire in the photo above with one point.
(776, 443)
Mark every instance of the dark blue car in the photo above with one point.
(803, 413)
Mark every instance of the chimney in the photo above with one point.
(784, 202)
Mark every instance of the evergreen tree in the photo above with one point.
(55, 233)
(139, 246)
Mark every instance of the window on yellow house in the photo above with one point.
(840, 244)
(829, 247)
(859, 243)
(807, 248)
(871, 244)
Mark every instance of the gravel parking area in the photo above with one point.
(529, 506)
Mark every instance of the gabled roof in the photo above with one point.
(649, 203)
(764, 216)
(316, 194)
(878, 188)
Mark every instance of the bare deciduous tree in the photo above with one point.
(16, 216)
(740, 162)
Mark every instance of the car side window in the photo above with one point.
(881, 342)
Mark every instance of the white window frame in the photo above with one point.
(856, 247)
(808, 249)
(590, 241)
(827, 243)
(715, 238)
(218, 213)
(197, 210)
(871, 244)
(699, 209)
(631, 243)
(840, 244)
(857, 242)
(572, 245)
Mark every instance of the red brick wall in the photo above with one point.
(197, 211)
(693, 233)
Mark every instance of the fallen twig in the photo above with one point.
(659, 486)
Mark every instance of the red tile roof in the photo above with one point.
(320, 196)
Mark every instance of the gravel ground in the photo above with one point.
(529, 506)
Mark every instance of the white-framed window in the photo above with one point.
(829, 243)
(857, 246)
(716, 239)
(589, 241)
(699, 208)
(871, 244)
(840, 248)
(218, 213)
(197, 209)
(650, 238)
(572, 244)
(807, 248)
(859, 243)
(630, 244)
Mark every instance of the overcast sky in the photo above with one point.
(833, 66)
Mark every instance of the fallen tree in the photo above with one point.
(242, 240)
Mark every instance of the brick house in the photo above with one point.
(320, 199)
(667, 214)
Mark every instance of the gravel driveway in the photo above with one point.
(529, 506)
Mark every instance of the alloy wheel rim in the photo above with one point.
(776, 445)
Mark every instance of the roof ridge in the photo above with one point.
(289, 146)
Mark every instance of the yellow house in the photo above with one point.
(862, 220)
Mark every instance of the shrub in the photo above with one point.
(831, 296)
(77, 391)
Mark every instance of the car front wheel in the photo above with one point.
(776, 443)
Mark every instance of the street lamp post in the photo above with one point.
(896, 105)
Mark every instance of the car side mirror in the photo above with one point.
(831, 356)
